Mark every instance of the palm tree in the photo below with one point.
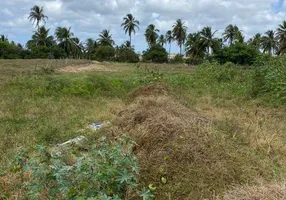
(90, 47)
(208, 40)
(151, 34)
(195, 46)
(269, 43)
(180, 33)
(281, 37)
(230, 33)
(127, 45)
(169, 39)
(105, 38)
(37, 15)
(129, 25)
(255, 41)
(41, 38)
(162, 40)
(66, 40)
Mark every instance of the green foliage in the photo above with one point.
(104, 53)
(238, 53)
(10, 50)
(194, 61)
(156, 53)
(127, 55)
(177, 59)
(106, 171)
(270, 79)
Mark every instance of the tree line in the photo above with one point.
(196, 45)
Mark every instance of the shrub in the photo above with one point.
(270, 78)
(106, 171)
(127, 55)
(177, 59)
(104, 53)
(156, 53)
(194, 61)
(238, 53)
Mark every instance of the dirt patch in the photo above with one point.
(94, 66)
(177, 144)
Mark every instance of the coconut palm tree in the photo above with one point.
(105, 38)
(90, 47)
(281, 37)
(255, 41)
(169, 39)
(179, 33)
(230, 33)
(37, 15)
(66, 40)
(269, 43)
(161, 40)
(41, 37)
(195, 46)
(239, 38)
(129, 25)
(208, 40)
(151, 34)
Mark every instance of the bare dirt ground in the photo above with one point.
(93, 66)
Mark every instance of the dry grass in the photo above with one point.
(273, 191)
(179, 144)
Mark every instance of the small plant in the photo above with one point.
(107, 171)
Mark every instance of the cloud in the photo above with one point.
(89, 17)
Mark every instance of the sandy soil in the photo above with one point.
(94, 66)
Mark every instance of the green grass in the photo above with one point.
(41, 108)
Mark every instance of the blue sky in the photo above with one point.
(89, 17)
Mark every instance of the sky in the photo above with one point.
(87, 18)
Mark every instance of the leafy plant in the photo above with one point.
(107, 171)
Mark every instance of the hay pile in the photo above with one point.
(178, 144)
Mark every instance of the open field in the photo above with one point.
(198, 127)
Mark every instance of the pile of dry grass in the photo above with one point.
(178, 144)
(273, 191)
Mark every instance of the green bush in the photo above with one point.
(177, 59)
(106, 171)
(238, 53)
(156, 54)
(127, 55)
(194, 61)
(104, 53)
(270, 78)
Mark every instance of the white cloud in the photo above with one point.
(89, 17)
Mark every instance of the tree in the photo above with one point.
(255, 41)
(4, 38)
(105, 38)
(169, 39)
(129, 25)
(90, 47)
(156, 53)
(37, 15)
(269, 43)
(66, 40)
(208, 40)
(161, 40)
(41, 38)
(230, 33)
(179, 33)
(195, 46)
(281, 37)
(151, 35)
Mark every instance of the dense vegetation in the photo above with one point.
(232, 47)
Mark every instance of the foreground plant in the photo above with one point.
(107, 171)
